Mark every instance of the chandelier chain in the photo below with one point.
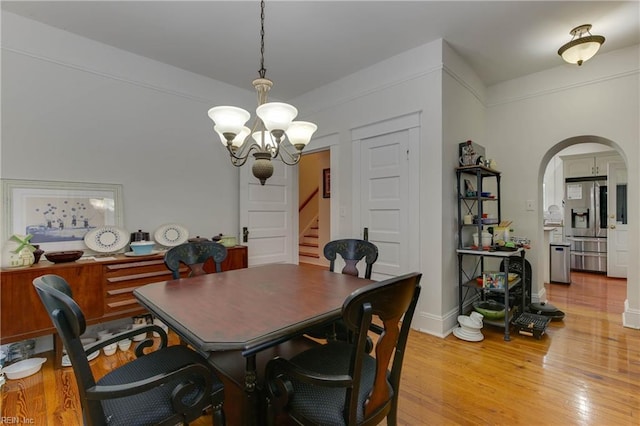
(273, 126)
(262, 71)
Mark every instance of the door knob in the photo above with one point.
(612, 227)
(245, 234)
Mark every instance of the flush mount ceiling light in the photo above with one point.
(274, 132)
(581, 47)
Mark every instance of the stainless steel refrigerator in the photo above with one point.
(585, 206)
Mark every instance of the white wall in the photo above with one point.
(532, 118)
(463, 116)
(402, 85)
(77, 110)
(433, 81)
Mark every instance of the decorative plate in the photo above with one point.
(106, 239)
(171, 235)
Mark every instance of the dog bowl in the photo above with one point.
(490, 309)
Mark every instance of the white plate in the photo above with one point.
(66, 362)
(106, 239)
(171, 235)
(134, 254)
(470, 337)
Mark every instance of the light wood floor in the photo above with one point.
(584, 371)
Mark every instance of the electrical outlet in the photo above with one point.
(530, 205)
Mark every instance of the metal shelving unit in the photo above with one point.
(468, 273)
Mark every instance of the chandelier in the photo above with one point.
(273, 134)
(583, 47)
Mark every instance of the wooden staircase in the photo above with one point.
(308, 247)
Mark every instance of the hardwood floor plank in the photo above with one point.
(584, 371)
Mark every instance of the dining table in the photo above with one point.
(237, 316)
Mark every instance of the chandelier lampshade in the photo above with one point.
(299, 133)
(273, 134)
(276, 115)
(582, 47)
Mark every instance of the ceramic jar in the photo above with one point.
(18, 252)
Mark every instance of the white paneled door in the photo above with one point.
(266, 215)
(617, 228)
(386, 196)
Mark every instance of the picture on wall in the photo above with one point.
(326, 183)
(59, 214)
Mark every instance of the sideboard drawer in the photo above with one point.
(120, 279)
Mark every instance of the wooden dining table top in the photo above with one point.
(249, 309)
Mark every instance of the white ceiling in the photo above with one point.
(311, 43)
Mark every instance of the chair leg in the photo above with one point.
(271, 414)
(392, 417)
(218, 416)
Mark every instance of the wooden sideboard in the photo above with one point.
(103, 289)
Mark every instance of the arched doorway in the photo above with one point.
(552, 188)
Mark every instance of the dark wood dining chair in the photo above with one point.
(195, 255)
(170, 385)
(339, 383)
(352, 251)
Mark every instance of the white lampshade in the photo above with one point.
(582, 47)
(268, 139)
(276, 115)
(238, 140)
(229, 119)
(300, 132)
(583, 50)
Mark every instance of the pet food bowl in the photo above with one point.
(490, 309)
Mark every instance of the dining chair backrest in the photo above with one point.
(195, 255)
(170, 385)
(70, 323)
(393, 303)
(339, 383)
(352, 251)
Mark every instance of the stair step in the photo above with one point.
(305, 244)
(306, 254)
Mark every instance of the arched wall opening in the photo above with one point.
(557, 149)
